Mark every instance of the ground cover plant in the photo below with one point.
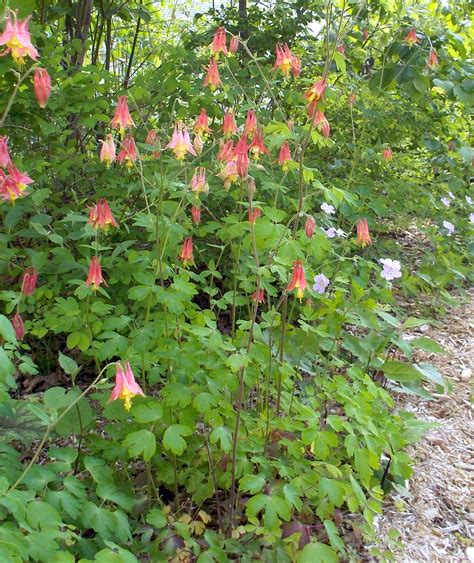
(202, 258)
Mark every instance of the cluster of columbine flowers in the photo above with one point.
(17, 40)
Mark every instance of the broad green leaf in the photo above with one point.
(316, 552)
(173, 438)
(400, 371)
(142, 442)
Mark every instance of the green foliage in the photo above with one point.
(262, 421)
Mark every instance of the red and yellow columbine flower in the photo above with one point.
(251, 126)
(363, 235)
(95, 278)
(233, 44)
(309, 226)
(316, 92)
(125, 386)
(107, 152)
(284, 156)
(180, 142)
(28, 281)
(258, 296)
(18, 326)
(387, 154)
(226, 151)
(432, 59)
(411, 38)
(229, 173)
(196, 214)
(14, 185)
(341, 48)
(242, 157)
(187, 251)
(100, 216)
(218, 44)
(285, 61)
(320, 121)
(17, 39)
(298, 280)
(212, 78)
(254, 214)
(5, 159)
(257, 146)
(122, 119)
(152, 140)
(198, 181)
(201, 126)
(229, 126)
(128, 152)
(42, 85)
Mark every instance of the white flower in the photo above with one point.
(451, 195)
(471, 217)
(469, 199)
(341, 233)
(446, 201)
(328, 209)
(449, 227)
(391, 269)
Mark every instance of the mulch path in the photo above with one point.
(435, 521)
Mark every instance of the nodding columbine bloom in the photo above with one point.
(17, 40)
(320, 121)
(95, 278)
(298, 280)
(196, 214)
(42, 85)
(198, 181)
(363, 235)
(229, 127)
(202, 123)
(14, 185)
(100, 216)
(128, 152)
(212, 78)
(107, 152)
(257, 146)
(284, 156)
(187, 251)
(233, 45)
(229, 173)
(258, 296)
(351, 99)
(125, 386)
(309, 226)
(28, 282)
(251, 126)
(391, 269)
(341, 49)
(18, 326)
(218, 44)
(387, 154)
(5, 159)
(285, 61)
(180, 142)
(365, 34)
(198, 144)
(122, 119)
(411, 38)
(254, 214)
(152, 140)
(432, 59)
(226, 151)
(242, 154)
(316, 92)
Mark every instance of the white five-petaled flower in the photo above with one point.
(327, 208)
(449, 227)
(320, 283)
(471, 217)
(446, 201)
(332, 232)
(391, 269)
(469, 199)
(451, 195)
